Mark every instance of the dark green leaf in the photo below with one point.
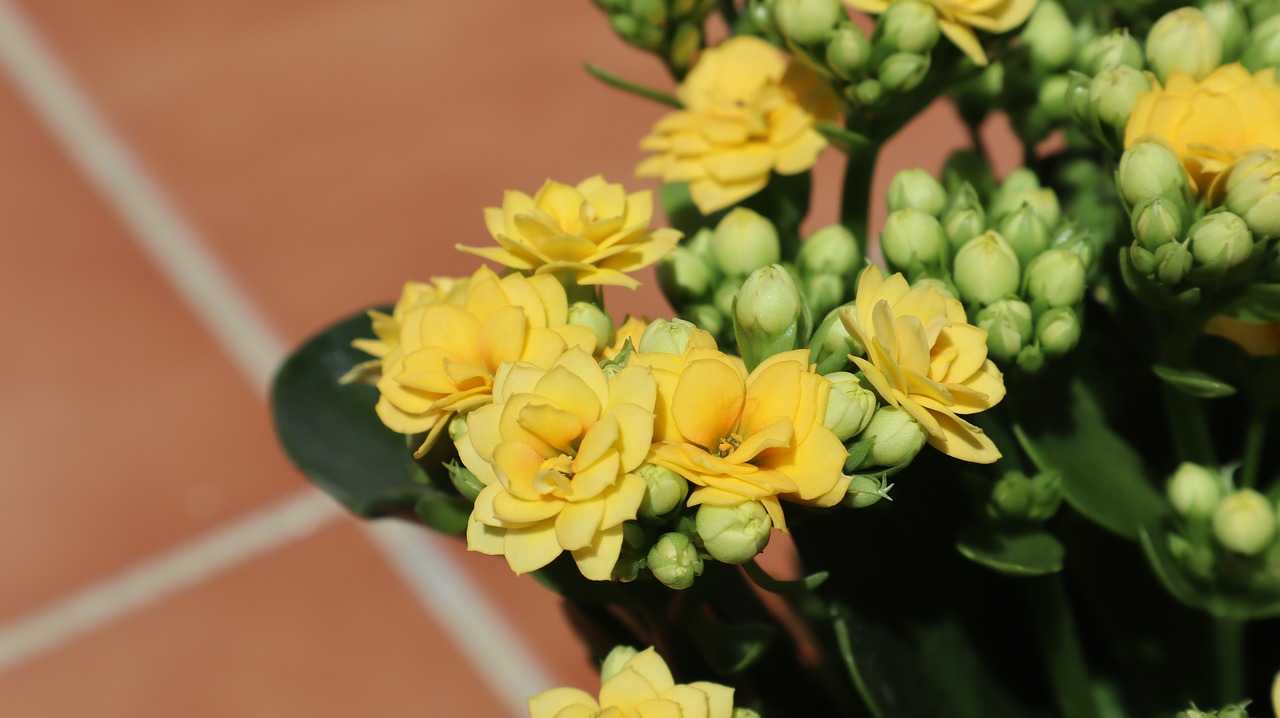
(1013, 552)
(1256, 303)
(330, 430)
(799, 587)
(729, 648)
(446, 513)
(1195, 383)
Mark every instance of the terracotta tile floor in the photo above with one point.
(326, 150)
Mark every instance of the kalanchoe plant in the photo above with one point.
(1029, 468)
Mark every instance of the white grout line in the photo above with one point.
(475, 625)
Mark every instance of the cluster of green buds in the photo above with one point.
(1019, 269)
(1179, 250)
(672, 29)
(868, 72)
(1018, 498)
(1035, 95)
(1239, 710)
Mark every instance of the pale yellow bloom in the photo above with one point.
(386, 327)
(595, 232)
(924, 356)
(746, 437)
(1259, 340)
(447, 354)
(632, 329)
(959, 18)
(643, 688)
(556, 450)
(1212, 123)
(746, 113)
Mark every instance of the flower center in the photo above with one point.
(556, 471)
(727, 444)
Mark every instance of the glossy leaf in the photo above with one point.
(1195, 383)
(1256, 303)
(1013, 552)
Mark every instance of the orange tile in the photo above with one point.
(123, 428)
(320, 628)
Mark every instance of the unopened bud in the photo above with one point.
(1245, 522)
(1058, 331)
(912, 237)
(848, 51)
(664, 491)
(909, 26)
(684, 276)
(849, 405)
(1150, 168)
(1012, 496)
(865, 491)
(830, 250)
(671, 336)
(986, 269)
(832, 344)
(1030, 359)
(903, 71)
(1007, 323)
(1220, 241)
(822, 293)
(1263, 50)
(617, 659)
(674, 561)
(917, 189)
(1026, 232)
(944, 287)
(1043, 200)
(1113, 93)
(1253, 192)
(1194, 490)
(708, 317)
(963, 226)
(586, 314)
(1115, 48)
(1173, 262)
(1233, 27)
(467, 483)
(743, 242)
(1048, 36)
(769, 315)
(1157, 220)
(1053, 96)
(869, 92)
(898, 437)
(807, 22)
(1185, 40)
(734, 534)
(1056, 278)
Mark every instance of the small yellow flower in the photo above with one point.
(924, 356)
(746, 114)
(445, 357)
(1212, 123)
(594, 231)
(386, 327)
(746, 437)
(556, 450)
(642, 687)
(1259, 340)
(959, 18)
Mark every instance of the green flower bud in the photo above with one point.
(1058, 331)
(975, 97)
(1077, 101)
(832, 344)
(726, 294)
(1150, 168)
(965, 197)
(807, 22)
(1079, 243)
(1263, 50)
(1232, 26)
(734, 534)
(674, 561)
(986, 269)
(615, 661)
(903, 71)
(909, 26)
(744, 242)
(1048, 36)
(1053, 96)
(1173, 262)
(1245, 522)
(686, 44)
(1019, 182)
(744, 713)
(1143, 259)
(1012, 497)
(1115, 48)
(708, 317)
(666, 336)
(822, 293)
(868, 92)
(1194, 490)
(917, 189)
(664, 491)
(849, 405)
(1112, 95)
(1157, 220)
(848, 51)
(1026, 232)
(1185, 40)
(963, 226)
(463, 480)
(769, 315)
(898, 437)
(912, 237)
(1042, 200)
(458, 427)
(830, 250)
(586, 314)
(684, 276)
(1055, 278)
(1030, 359)
(651, 12)
(1253, 192)
(700, 244)
(1220, 241)
(1008, 326)
(865, 491)
(944, 287)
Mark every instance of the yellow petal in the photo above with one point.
(530, 548)
(596, 561)
(578, 522)
(963, 38)
(622, 500)
(485, 539)
(548, 704)
(707, 402)
(626, 688)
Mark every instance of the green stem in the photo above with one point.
(1254, 440)
(1229, 637)
(855, 200)
(625, 85)
(1060, 641)
(1187, 420)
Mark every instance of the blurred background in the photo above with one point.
(189, 189)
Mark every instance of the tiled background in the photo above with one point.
(158, 556)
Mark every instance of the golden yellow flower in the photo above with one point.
(1259, 340)
(595, 232)
(642, 687)
(959, 18)
(632, 329)
(447, 353)
(1212, 123)
(555, 451)
(746, 113)
(746, 437)
(924, 356)
(386, 327)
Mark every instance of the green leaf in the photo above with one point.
(798, 587)
(1195, 383)
(330, 431)
(844, 140)
(1103, 476)
(729, 648)
(1017, 552)
(1258, 303)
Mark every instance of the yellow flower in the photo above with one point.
(746, 113)
(1212, 123)
(643, 687)
(595, 232)
(386, 327)
(1259, 340)
(746, 437)
(447, 354)
(633, 328)
(924, 356)
(959, 18)
(555, 451)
